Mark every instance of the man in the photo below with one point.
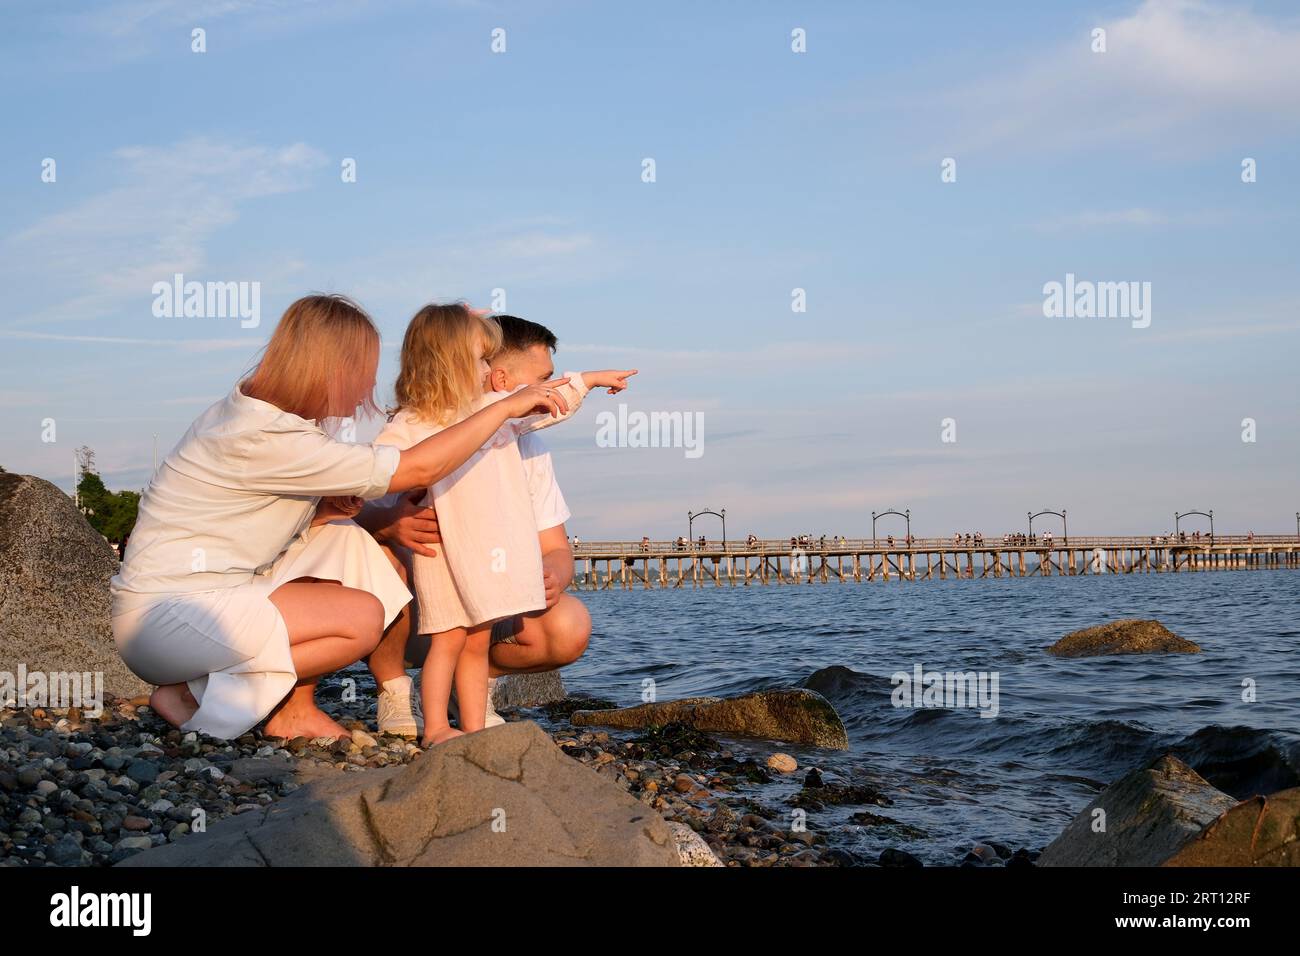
(538, 641)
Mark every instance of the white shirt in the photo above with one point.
(549, 507)
(236, 490)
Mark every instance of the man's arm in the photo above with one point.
(404, 524)
(557, 562)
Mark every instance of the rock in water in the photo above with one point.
(793, 714)
(527, 690)
(1130, 636)
(782, 763)
(1261, 831)
(54, 571)
(505, 796)
(1149, 816)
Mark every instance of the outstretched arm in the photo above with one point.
(579, 383)
(433, 459)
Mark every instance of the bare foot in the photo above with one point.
(304, 723)
(440, 735)
(174, 703)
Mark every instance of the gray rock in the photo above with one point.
(527, 690)
(142, 771)
(506, 796)
(792, 714)
(66, 852)
(1130, 636)
(691, 848)
(262, 769)
(54, 571)
(1149, 815)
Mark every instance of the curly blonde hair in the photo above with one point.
(439, 377)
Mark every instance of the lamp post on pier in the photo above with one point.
(690, 524)
(1065, 530)
(1204, 514)
(905, 515)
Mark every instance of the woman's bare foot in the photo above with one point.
(440, 735)
(174, 703)
(302, 722)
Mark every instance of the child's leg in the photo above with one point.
(472, 677)
(435, 684)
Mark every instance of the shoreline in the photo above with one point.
(80, 791)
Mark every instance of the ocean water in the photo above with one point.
(1064, 728)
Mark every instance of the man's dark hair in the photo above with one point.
(519, 335)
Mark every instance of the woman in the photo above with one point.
(225, 598)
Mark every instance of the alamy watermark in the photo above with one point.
(1084, 299)
(208, 300)
(948, 690)
(54, 689)
(626, 429)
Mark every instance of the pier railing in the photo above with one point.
(861, 545)
(674, 564)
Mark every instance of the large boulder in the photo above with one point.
(796, 715)
(54, 604)
(1149, 815)
(1131, 636)
(527, 690)
(1261, 831)
(506, 796)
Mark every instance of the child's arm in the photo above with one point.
(333, 508)
(579, 383)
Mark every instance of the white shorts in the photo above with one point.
(231, 645)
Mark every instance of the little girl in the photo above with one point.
(489, 566)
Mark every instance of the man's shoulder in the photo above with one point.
(532, 446)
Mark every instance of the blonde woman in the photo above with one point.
(228, 598)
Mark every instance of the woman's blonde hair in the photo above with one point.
(439, 377)
(321, 360)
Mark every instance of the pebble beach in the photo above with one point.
(77, 790)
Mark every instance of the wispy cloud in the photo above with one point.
(1183, 67)
(104, 254)
(181, 345)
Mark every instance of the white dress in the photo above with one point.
(223, 523)
(489, 564)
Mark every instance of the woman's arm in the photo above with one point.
(433, 459)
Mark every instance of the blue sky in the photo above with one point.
(775, 170)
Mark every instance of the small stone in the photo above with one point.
(895, 857)
(136, 823)
(985, 853)
(29, 777)
(682, 783)
(782, 763)
(142, 771)
(66, 852)
(46, 787)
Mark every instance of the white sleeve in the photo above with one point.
(306, 461)
(549, 507)
(573, 392)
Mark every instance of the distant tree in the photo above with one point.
(123, 509)
(112, 514)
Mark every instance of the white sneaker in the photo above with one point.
(490, 717)
(399, 709)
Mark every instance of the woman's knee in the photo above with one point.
(365, 620)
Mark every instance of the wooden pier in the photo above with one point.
(602, 565)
